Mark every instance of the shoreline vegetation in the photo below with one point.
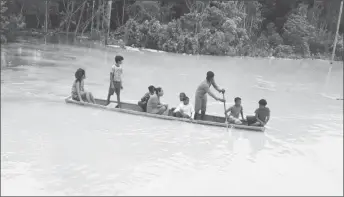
(277, 29)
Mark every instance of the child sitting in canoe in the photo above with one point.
(182, 96)
(154, 106)
(235, 110)
(78, 92)
(262, 115)
(185, 109)
(145, 98)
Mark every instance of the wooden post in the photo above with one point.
(336, 37)
(46, 16)
(98, 15)
(123, 10)
(104, 14)
(108, 14)
(81, 13)
(92, 18)
(328, 77)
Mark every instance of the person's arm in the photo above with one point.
(192, 112)
(144, 97)
(259, 120)
(217, 87)
(242, 114)
(122, 78)
(161, 104)
(267, 117)
(157, 101)
(215, 97)
(78, 91)
(111, 80)
(228, 110)
(177, 108)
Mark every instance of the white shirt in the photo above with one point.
(186, 109)
(117, 71)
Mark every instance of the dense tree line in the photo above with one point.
(281, 28)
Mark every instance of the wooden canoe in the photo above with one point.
(135, 109)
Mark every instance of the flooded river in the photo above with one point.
(49, 147)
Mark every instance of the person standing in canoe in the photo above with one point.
(116, 80)
(201, 94)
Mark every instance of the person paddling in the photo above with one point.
(201, 94)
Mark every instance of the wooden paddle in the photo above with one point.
(224, 106)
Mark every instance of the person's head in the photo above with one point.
(80, 74)
(182, 95)
(262, 103)
(210, 76)
(186, 100)
(151, 89)
(237, 101)
(159, 91)
(119, 59)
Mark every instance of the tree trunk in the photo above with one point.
(67, 15)
(46, 16)
(98, 16)
(337, 30)
(103, 5)
(123, 12)
(251, 25)
(81, 13)
(108, 14)
(92, 17)
(70, 17)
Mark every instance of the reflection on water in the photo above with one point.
(58, 149)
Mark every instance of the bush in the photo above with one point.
(283, 51)
(10, 23)
(223, 29)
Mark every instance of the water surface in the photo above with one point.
(50, 147)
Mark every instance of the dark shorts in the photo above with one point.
(143, 105)
(172, 111)
(116, 89)
(251, 120)
(76, 97)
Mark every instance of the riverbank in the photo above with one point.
(137, 49)
(98, 41)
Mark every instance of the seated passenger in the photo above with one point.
(145, 98)
(154, 105)
(182, 95)
(262, 115)
(235, 110)
(78, 92)
(185, 109)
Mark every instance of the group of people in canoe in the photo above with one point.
(150, 102)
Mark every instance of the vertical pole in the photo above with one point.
(108, 20)
(104, 13)
(98, 15)
(46, 16)
(334, 45)
(92, 18)
(123, 10)
(336, 37)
